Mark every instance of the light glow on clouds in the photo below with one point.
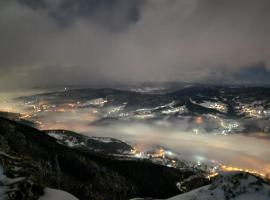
(168, 41)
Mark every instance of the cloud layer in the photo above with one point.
(83, 42)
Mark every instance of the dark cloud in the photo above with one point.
(113, 14)
(118, 40)
(256, 74)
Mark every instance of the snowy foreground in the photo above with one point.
(49, 194)
(53, 194)
(235, 186)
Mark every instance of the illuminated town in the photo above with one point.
(100, 108)
(146, 130)
(32, 110)
(211, 169)
(254, 111)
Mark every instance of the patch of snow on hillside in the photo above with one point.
(215, 105)
(105, 139)
(66, 140)
(236, 186)
(192, 194)
(96, 102)
(53, 194)
(56, 135)
(172, 110)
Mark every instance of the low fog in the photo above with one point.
(243, 151)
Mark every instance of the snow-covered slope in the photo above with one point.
(236, 186)
(103, 145)
(53, 194)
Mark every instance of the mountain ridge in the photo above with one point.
(85, 175)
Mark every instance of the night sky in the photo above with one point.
(58, 42)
